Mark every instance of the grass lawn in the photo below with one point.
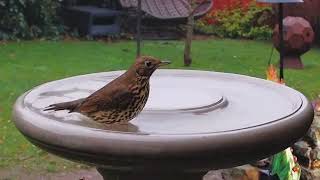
(27, 64)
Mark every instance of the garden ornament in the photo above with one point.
(281, 30)
(194, 122)
(298, 39)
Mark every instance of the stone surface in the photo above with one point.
(308, 151)
(303, 151)
(240, 173)
(315, 153)
(309, 174)
(314, 133)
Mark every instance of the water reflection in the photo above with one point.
(64, 92)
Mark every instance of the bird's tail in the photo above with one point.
(71, 106)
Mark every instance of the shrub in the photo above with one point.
(28, 19)
(252, 22)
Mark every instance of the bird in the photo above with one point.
(122, 99)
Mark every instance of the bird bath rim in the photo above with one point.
(219, 101)
(125, 151)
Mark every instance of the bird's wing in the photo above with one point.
(107, 98)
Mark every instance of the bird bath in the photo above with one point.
(194, 121)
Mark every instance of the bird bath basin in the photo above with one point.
(194, 121)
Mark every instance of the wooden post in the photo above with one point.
(138, 35)
(189, 35)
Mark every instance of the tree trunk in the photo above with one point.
(189, 35)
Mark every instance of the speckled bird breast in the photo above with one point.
(140, 91)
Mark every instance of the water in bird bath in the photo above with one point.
(180, 102)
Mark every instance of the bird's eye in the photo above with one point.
(148, 64)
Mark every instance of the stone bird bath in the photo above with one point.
(194, 121)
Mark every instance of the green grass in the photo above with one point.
(28, 64)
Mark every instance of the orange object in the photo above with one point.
(272, 75)
(315, 164)
(317, 105)
(296, 169)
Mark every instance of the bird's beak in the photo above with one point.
(163, 63)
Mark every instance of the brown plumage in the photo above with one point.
(119, 101)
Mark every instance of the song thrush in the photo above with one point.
(120, 100)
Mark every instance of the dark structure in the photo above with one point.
(93, 21)
(298, 38)
(156, 15)
(92, 18)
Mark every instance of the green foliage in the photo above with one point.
(250, 23)
(283, 165)
(28, 19)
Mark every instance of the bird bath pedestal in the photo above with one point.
(194, 121)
